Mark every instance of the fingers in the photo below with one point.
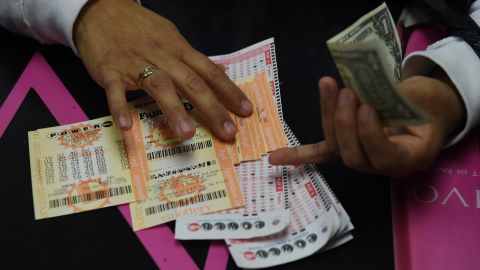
(161, 88)
(194, 88)
(310, 153)
(328, 103)
(117, 102)
(227, 92)
(345, 122)
(381, 152)
(400, 153)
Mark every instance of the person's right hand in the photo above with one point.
(117, 39)
(354, 132)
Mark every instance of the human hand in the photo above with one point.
(354, 132)
(117, 39)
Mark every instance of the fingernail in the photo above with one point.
(229, 127)
(364, 114)
(122, 121)
(185, 127)
(246, 105)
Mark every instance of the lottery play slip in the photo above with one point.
(290, 212)
(267, 215)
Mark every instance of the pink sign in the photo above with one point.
(436, 213)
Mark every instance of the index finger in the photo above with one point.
(309, 153)
(227, 92)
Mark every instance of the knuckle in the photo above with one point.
(364, 133)
(111, 84)
(159, 80)
(194, 83)
(215, 72)
(175, 110)
(317, 149)
(339, 121)
(332, 147)
(352, 162)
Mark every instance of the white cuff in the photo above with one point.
(48, 21)
(461, 64)
(51, 21)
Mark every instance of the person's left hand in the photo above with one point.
(117, 39)
(354, 132)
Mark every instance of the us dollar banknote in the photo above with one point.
(368, 56)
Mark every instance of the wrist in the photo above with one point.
(92, 11)
(454, 113)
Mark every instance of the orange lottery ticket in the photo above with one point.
(186, 178)
(273, 134)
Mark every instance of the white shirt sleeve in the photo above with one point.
(461, 64)
(48, 21)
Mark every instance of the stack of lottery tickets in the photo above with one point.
(268, 215)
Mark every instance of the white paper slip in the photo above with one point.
(232, 225)
(313, 224)
(265, 188)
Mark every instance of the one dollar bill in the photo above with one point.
(368, 57)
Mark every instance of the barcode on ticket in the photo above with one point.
(193, 200)
(88, 197)
(179, 150)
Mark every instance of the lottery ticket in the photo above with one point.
(264, 186)
(80, 167)
(312, 225)
(318, 222)
(257, 65)
(307, 187)
(262, 132)
(314, 173)
(265, 189)
(190, 177)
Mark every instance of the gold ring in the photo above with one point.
(144, 74)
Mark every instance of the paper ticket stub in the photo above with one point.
(312, 225)
(79, 167)
(266, 198)
(186, 178)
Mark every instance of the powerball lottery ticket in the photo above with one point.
(80, 167)
(254, 70)
(185, 178)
